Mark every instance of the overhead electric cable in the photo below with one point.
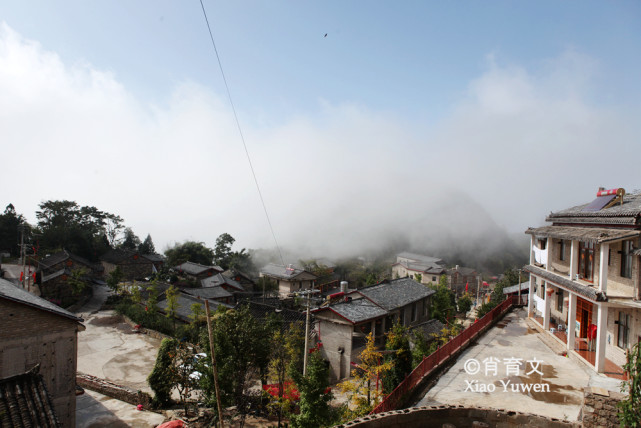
(240, 131)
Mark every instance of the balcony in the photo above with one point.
(540, 256)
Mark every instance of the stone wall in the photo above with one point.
(113, 390)
(600, 408)
(455, 416)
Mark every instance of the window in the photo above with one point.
(586, 260)
(559, 300)
(414, 312)
(562, 250)
(426, 306)
(624, 330)
(434, 279)
(626, 259)
(609, 255)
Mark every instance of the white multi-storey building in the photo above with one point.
(584, 276)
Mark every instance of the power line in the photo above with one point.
(240, 131)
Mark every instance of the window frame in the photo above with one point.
(627, 247)
(623, 330)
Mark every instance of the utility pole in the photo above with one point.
(478, 287)
(213, 363)
(23, 254)
(519, 286)
(309, 293)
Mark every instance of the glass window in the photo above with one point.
(562, 250)
(624, 330)
(559, 300)
(626, 259)
(586, 260)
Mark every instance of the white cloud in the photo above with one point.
(521, 143)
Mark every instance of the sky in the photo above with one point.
(362, 120)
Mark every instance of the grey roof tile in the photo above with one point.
(283, 272)
(25, 401)
(13, 293)
(393, 294)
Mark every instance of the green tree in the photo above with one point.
(242, 351)
(369, 372)
(228, 259)
(113, 279)
(315, 395)
(130, 241)
(172, 304)
(9, 236)
(401, 359)
(77, 281)
(464, 303)
(630, 407)
(82, 230)
(422, 347)
(152, 298)
(161, 378)
(285, 349)
(147, 246)
(443, 301)
(189, 251)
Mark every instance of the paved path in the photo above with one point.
(96, 410)
(110, 349)
(511, 337)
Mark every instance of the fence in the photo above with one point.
(432, 361)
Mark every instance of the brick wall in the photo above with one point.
(30, 336)
(600, 408)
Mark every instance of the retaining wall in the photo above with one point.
(600, 408)
(455, 417)
(113, 390)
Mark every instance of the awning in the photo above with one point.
(596, 235)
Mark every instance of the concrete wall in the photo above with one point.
(30, 336)
(600, 408)
(457, 416)
(334, 335)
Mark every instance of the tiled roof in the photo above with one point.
(627, 213)
(261, 311)
(218, 280)
(185, 301)
(586, 234)
(56, 274)
(392, 294)
(154, 257)
(11, 292)
(358, 310)
(419, 258)
(25, 402)
(283, 272)
(465, 271)
(192, 268)
(213, 292)
(428, 328)
(118, 255)
(584, 290)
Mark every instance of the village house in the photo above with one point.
(240, 277)
(584, 277)
(196, 271)
(462, 280)
(37, 333)
(55, 270)
(345, 320)
(133, 264)
(424, 269)
(289, 278)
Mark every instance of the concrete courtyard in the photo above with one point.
(512, 368)
(110, 349)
